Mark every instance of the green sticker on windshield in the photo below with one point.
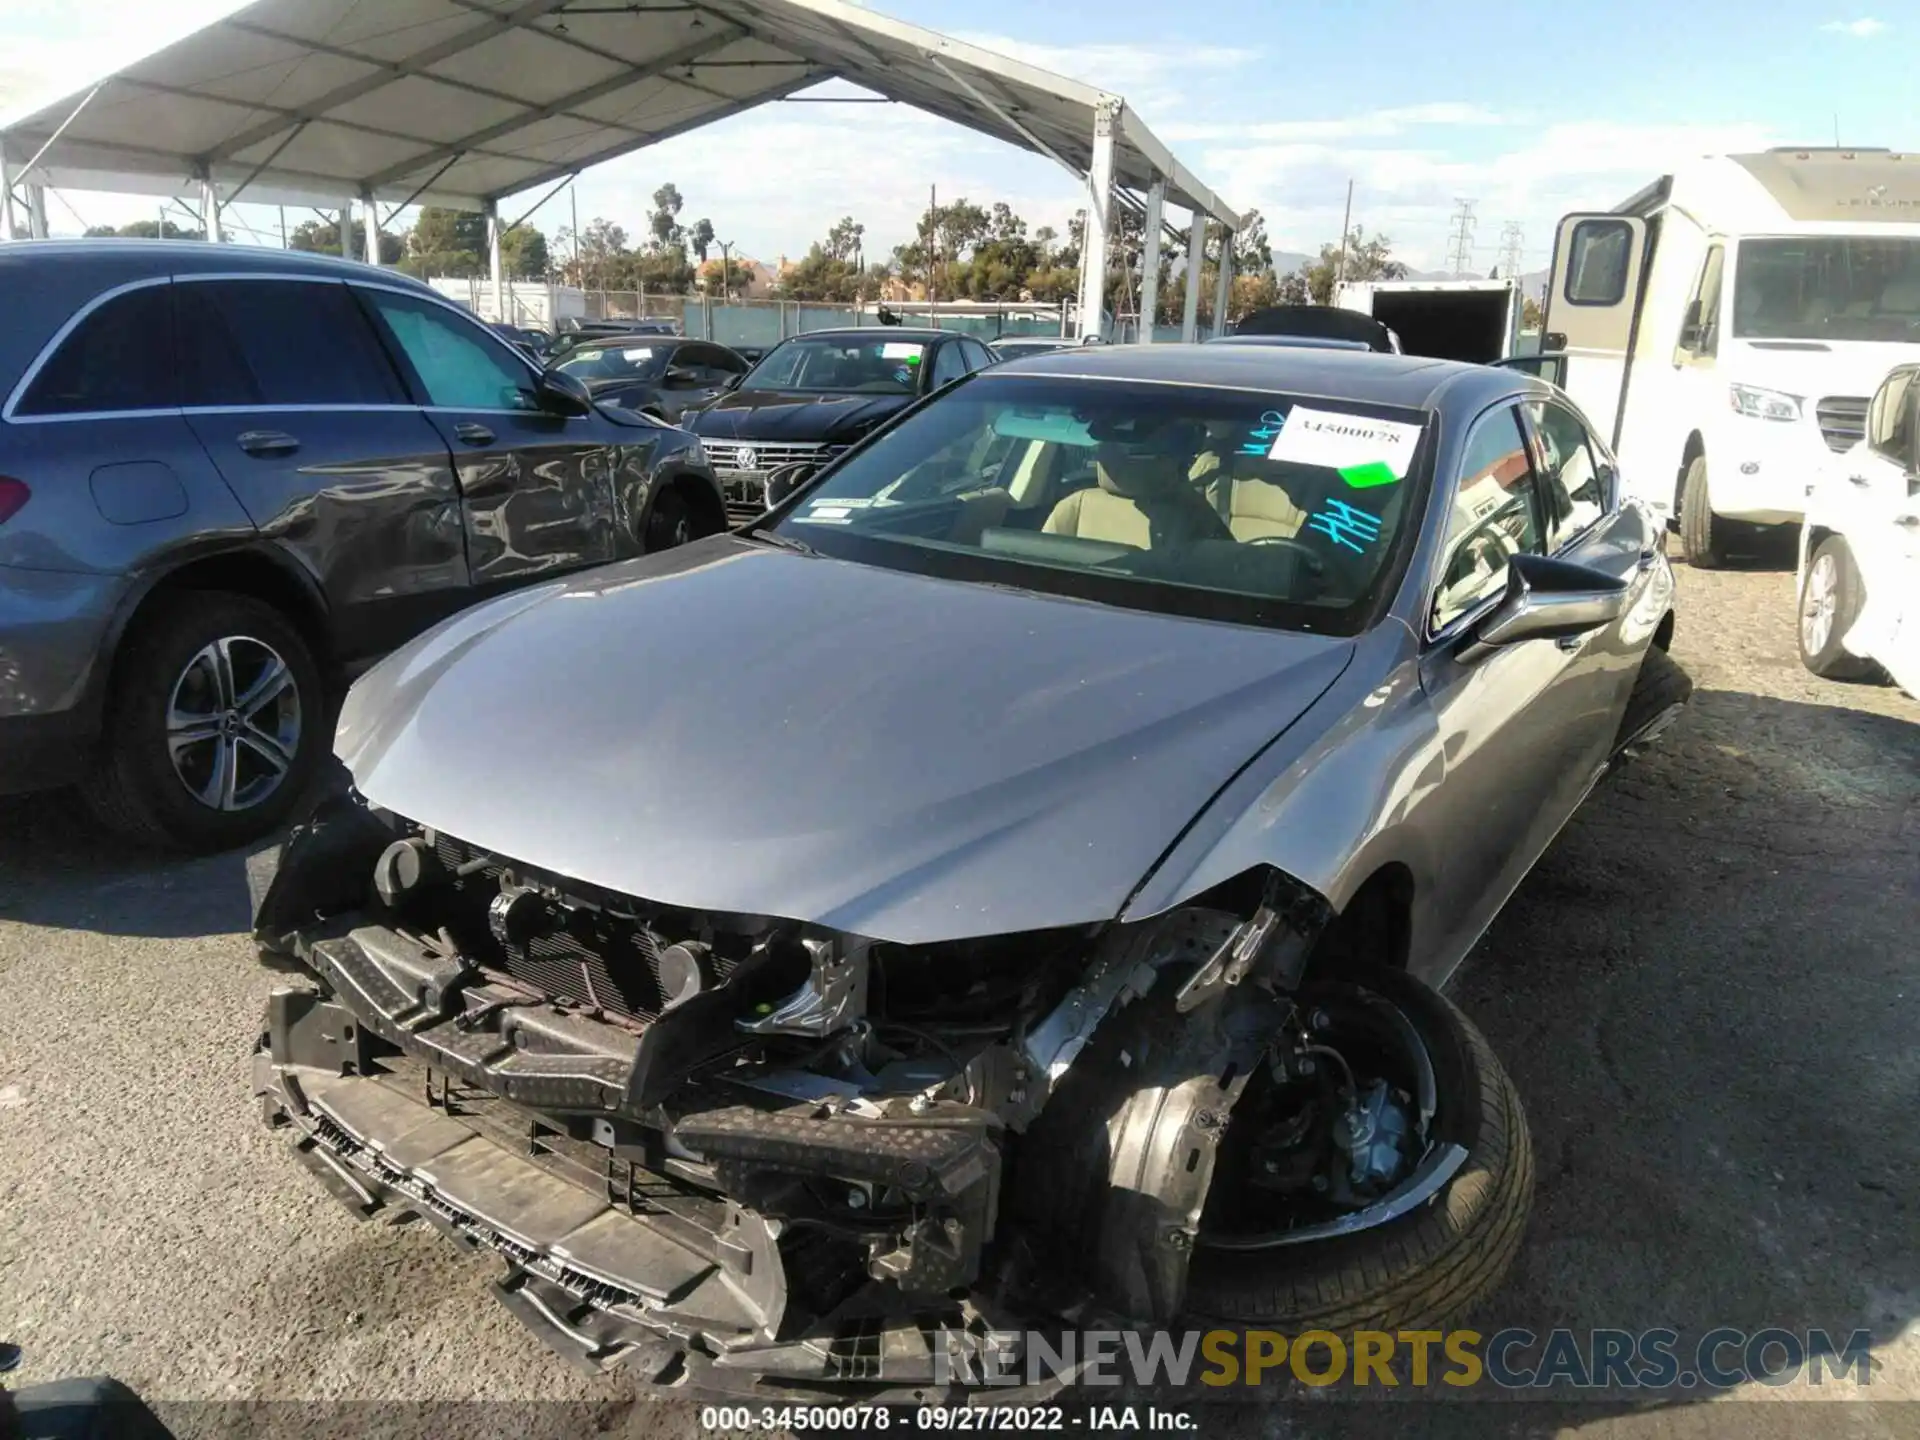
(1366, 477)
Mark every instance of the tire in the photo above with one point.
(1428, 1266)
(1659, 690)
(1072, 1196)
(670, 523)
(1830, 600)
(1703, 538)
(170, 665)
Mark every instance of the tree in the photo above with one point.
(1252, 251)
(1531, 316)
(146, 230)
(845, 238)
(1366, 259)
(701, 235)
(323, 237)
(664, 222)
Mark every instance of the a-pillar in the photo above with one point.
(1196, 264)
(37, 212)
(1150, 258)
(1093, 245)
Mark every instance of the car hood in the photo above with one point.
(732, 728)
(1817, 369)
(792, 415)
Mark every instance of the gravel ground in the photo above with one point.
(1707, 992)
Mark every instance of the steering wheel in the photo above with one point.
(1313, 558)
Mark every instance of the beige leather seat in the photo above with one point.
(1101, 513)
(1253, 509)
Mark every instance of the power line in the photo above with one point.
(1513, 242)
(1461, 237)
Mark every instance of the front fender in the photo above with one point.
(1331, 801)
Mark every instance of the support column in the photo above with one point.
(370, 221)
(1196, 263)
(496, 266)
(1150, 258)
(37, 212)
(1223, 283)
(6, 197)
(210, 208)
(1093, 243)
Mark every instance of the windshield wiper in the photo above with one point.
(782, 542)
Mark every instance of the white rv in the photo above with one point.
(1727, 325)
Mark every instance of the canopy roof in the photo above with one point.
(463, 102)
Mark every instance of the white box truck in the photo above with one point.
(1473, 320)
(1727, 325)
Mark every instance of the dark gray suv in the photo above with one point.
(230, 476)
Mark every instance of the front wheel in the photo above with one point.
(670, 523)
(1431, 1262)
(1703, 536)
(1830, 601)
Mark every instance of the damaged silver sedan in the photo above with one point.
(1005, 888)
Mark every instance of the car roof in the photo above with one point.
(880, 332)
(180, 257)
(1411, 381)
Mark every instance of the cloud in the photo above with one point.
(1863, 29)
(1152, 78)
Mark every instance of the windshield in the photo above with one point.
(844, 363)
(618, 361)
(1260, 508)
(1828, 288)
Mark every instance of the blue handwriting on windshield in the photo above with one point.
(1260, 440)
(1345, 525)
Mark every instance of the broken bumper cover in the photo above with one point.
(607, 1263)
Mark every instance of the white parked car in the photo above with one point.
(1859, 580)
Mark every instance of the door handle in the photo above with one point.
(1859, 480)
(267, 442)
(473, 434)
(1911, 521)
(1648, 557)
(1570, 642)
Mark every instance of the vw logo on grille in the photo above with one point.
(749, 458)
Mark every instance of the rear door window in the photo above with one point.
(1597, 262)
(119, 358)
(1571, 488)
(279, 343)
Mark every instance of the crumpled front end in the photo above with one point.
(727, 1153)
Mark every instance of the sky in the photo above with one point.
(1527, 110)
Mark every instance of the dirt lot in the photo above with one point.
(1708, 992)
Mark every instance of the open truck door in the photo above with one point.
(1593, 311)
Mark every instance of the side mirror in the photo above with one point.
(559, 393)
(731, 382)
(1548, 600)
(786, 479)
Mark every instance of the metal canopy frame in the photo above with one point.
(465, 103)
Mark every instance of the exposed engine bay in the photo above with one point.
(735, 1151)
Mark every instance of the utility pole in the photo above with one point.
(933, 246)
(573, 198)
(726, 268)
(1512, 249)
(1461, 238)
(1346, 224)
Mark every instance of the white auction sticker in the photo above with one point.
(900, 350)
(1340, 441)
(640, 354)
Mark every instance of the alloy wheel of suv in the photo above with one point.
(215, 726)
(233, 723)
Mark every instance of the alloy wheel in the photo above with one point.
(233, 723)
(1818, 605)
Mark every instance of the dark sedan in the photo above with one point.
(233, 474)
(814, 395)
(661, 375)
